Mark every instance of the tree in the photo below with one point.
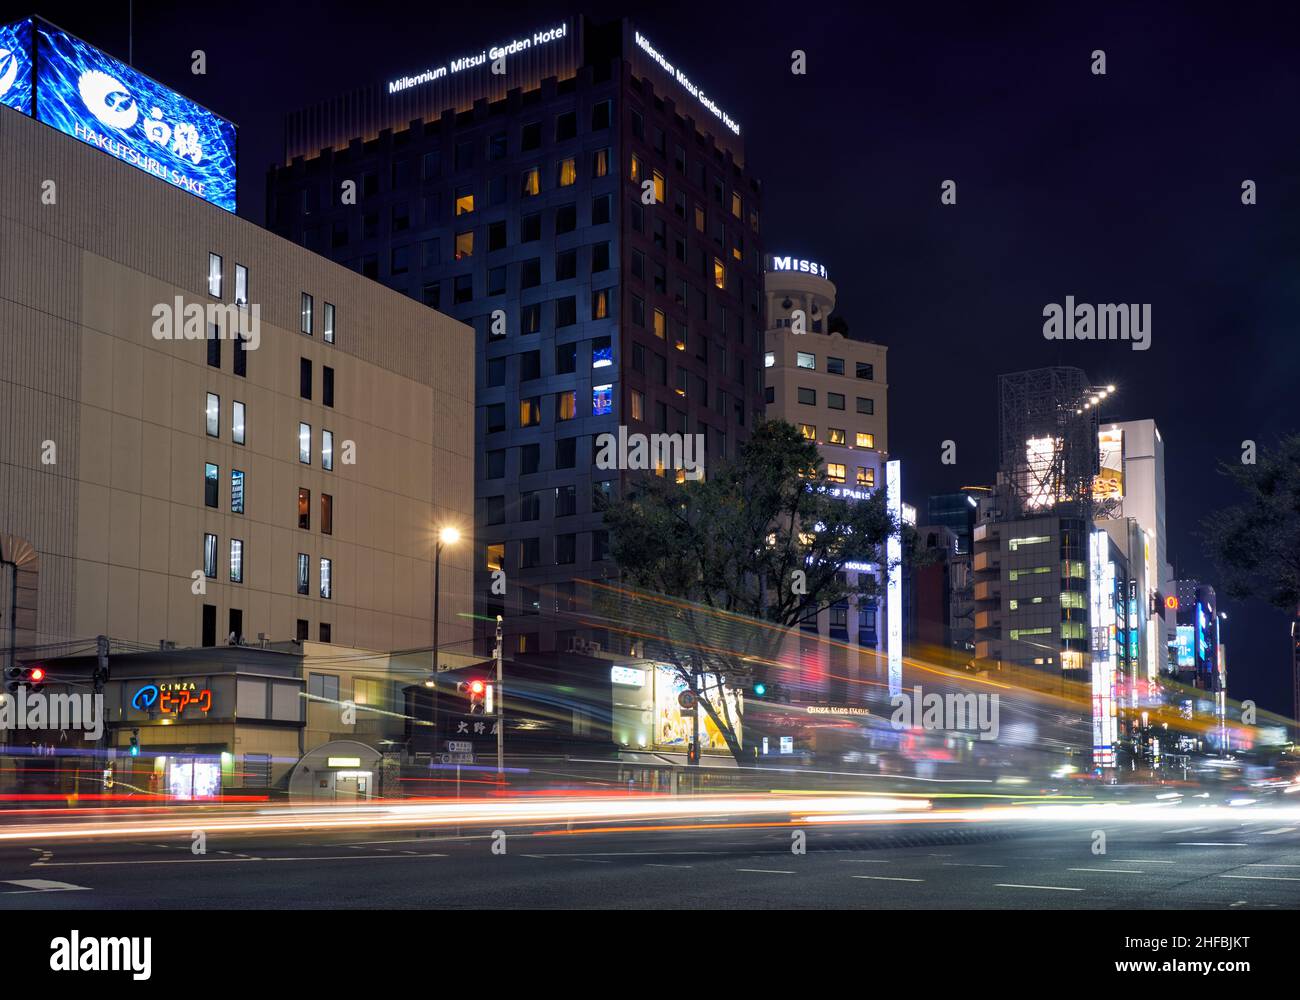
(1256, 543)
(722, 567)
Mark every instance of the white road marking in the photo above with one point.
(864, 861)
(592, 861)
(1264, 865)
(1265, 878)
(1142, 861)
(43, 885)
(218, 861)
(1055, 888)
(1122, 871)
(968, 864)
(651, 864)
(1280, 829)
(887, 878)
(1208, 844)
(1188, 829)
(767, 871)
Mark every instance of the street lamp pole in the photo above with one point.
(447, 536)
(501, 709)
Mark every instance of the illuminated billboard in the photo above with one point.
(1108, 484)
(93, 97)
(1185, 645)
(16, 66)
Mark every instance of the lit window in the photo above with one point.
(237, 422)
(326, 581)
(531, 182)
(210, 556)
(836, 435)
(329, 322)
(600, 163)
(304, 444)
(1015, 543)
(214, 415)
(866, 440)
(866, 477)
(496, 556)
(530, 412)
(659, 188)
(214, 275)
(805, 360)
(304, 573)
(661, 324)
(566, 405)
(236, 560)
(236, 491)
(635, 170)
(211, 484)
(602, 353)
(600, 304)
(1072, 599)
(737, 209)
(602, 399)
(638, 405)
(769, 359)
(304, 508)
(305, 315)
(568, 172)
(835, 472)
(241, 285)
(464, 201)
(327, 450)
(809, 431)
(465, 245)
(719, 273)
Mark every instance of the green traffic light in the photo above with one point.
(760, 689)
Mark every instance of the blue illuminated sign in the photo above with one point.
(1185, 639)
(16, 66)
(90, 96)
(602, 399)
(144, 698)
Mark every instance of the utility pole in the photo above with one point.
(499, 655)
(101, 676)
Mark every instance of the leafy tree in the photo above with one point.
(1256, 543)
(721, 568)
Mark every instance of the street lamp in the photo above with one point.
(446, 536)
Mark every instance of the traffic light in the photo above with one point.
(476, 691)
(35, 677)
(760, 689)
(135, 743)
(32, 677)
(692, 753)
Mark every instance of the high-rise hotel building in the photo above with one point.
(588, 212)
(162, 479)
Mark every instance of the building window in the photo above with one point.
(638, 405)
(304, 508)
(566, 500)
(530, 412)
(530, 553)
(214, 346)
(530, 182)
(237, 422)
(241, 358)
(1015, 543)
(566, 549)
(602, 400)
(566, 453)
(809, 431)
(326, 578)
(236, 560)
(325, 632)
(866, 477)
(304, 573)
(236, 491)
(300, 632)
(214, 415)
(835, 400)
(660, 324)
(305, 320)
(866, 440)
(600, 304)
(835, 435)
(865, 370)
(660, 194)
(530, 506)
(464, 200)
(600, 163)
(566, 405)
(329, 322)
(304, 443)
(566, 311)
(465, 244)
(568, 172)
(808, 397)
(327, 450)
(835, 366)
(867, 406)
(600, 115)
(804, 360)
(214, 275)
(327, 386)
(835, 472)
(769, 359)
(304, 378)
(719, 274)
(211, 484)
(210, 556)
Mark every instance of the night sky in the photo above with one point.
(1117, 188)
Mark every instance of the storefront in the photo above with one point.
(652, 709)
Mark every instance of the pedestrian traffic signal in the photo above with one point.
(135, 746)
(760, 689)
(692, 753)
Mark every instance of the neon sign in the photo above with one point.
(800, 265)
(172, 698)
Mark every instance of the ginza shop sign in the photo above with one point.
(473, 59)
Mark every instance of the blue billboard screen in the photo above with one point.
(16, 66)
(93, 97)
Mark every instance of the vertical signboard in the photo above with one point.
(894, 588)
(89, 95)
(1102, 614)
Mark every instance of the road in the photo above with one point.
(1174, 864)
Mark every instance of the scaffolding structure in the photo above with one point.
(1047, 450)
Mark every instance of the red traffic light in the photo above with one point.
(38, 674)
(476, 687)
